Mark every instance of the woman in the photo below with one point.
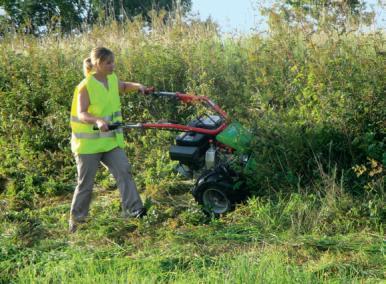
(96, 102)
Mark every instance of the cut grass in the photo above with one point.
(177, 247)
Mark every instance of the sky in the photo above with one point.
(243, 15)
(232, 16)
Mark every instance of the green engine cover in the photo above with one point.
(235, 136)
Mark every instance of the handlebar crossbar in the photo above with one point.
(166, 126)
(185, 98)
(164, 94)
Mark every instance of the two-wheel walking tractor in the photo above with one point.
(213, 150)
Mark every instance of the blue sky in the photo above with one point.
(232, 16)
(243, 15)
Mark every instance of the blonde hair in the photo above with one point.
(97, 55)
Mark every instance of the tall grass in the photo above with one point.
(305, 96)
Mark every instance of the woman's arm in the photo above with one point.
(125, 87)
(83, 115)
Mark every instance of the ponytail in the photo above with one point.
(87, 66)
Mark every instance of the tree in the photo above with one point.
(35, 17)
(315, 6)
(340, 15)
(127, 9)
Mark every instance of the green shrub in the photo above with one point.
(308, 99)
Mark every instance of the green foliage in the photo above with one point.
(305, 237)
(314, 102)
(39, 17)
(308, 100)
(341, 16)
(127, 9)
(30, 15)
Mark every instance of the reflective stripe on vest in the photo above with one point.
(97, 135)
(108, 118)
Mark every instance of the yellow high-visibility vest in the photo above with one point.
(104, 103)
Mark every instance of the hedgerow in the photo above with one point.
(315, 103)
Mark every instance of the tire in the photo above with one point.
(216, 197)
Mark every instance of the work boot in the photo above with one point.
(72, 226)
(139, 213)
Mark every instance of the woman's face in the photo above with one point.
(107, 66)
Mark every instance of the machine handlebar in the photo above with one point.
(163, 94)
(112, 126)
(185, 98)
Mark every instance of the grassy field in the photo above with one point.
(315, 103)
(265, 241)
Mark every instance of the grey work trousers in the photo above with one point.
(118, 165)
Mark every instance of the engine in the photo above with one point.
(196, 151)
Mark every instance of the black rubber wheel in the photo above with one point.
(216, 197)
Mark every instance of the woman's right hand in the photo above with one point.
(102, 125)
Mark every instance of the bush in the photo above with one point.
(309, 100)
